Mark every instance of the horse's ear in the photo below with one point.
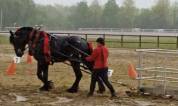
(11, 33)
(11, 38)
(39, 28)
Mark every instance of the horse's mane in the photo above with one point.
(25, 28)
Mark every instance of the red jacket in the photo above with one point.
(100, 57)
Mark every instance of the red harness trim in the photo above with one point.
(46, 47)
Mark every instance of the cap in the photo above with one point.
(100, 40)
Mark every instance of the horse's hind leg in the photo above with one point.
(78, 75)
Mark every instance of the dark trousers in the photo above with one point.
(100, 73)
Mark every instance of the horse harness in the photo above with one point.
(46, 47)
(35, 34)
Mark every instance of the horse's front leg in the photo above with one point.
(42, 74)
(78, 75)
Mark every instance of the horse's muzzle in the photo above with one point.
(19, 53)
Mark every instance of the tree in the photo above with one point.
(110, 14)
(96, 12)
(174, 15)
(127, 14)
(17, 11)
(161, 14)
(27, 13)
(80, 16)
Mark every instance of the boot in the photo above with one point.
(113, 95)
(101, 91)
(89, 94)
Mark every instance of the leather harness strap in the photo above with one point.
(31, 34)
(30, 43)
(37, 35)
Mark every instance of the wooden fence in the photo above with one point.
(123, 36)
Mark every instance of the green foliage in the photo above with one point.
(96, 12)
(4, 40)
(174, 14)
(161, 14)
(109, 15)
(17, 11)
(128, 13)
(80, 15)
(144, 19)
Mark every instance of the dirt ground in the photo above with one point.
(22, 89)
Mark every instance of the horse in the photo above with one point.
(49, 49)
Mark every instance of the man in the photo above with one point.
(100, 58)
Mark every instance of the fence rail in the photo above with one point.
(129, 30)
(123, 36)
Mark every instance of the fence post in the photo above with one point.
(177, 42)
(140, 41)
(122, 40)
(157, 41)
(86, 36)
(68, 34)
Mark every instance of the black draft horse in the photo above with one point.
(61, 48)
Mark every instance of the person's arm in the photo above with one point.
(93, 56)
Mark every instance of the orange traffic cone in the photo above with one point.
(11, 69)
(132, 73)
(29, 59)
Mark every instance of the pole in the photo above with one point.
(140, 41)
(1, 19)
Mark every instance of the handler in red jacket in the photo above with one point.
(100, 58)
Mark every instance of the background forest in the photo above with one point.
(110, 15)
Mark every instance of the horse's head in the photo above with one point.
(19, 39)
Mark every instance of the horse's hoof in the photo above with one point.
(72, 90)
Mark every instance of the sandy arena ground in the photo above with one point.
(22, 88)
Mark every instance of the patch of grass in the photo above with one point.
(4, 40)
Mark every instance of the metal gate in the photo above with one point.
(158, 71)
